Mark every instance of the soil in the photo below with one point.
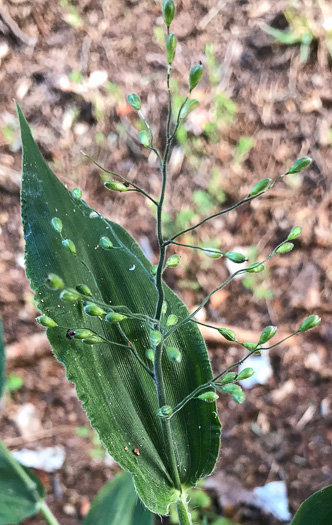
(70, 66)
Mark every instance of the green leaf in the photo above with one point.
(118, 395)
(315, 510)
(21, 492)
(117, 503)
(2, 361)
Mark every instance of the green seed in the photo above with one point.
(189, 106)
(149, 354)
(245, 373)
(235, 391)
(115, 185)
(171, 47)
(250, 346)
(69, 245)
(93, 340)
(82, 333)
(285, 248)
(55, 282)
(295, 232)
(168, 11)
(267, 334)
(155, 338)
(70, 295)
(94, 310)
(255, 268)
(227, 334)
(208, 397)
(171, 320)
(228, 378)
(299, 165)
(309, 322)
(77, 193)
(105, 243)
(113, 317)
(164, 307)
(261, 185)
(235, 257)
(195, 76)
(165, 411)
(84, 289)
(57, 224)
(173, 261)
(144, 138)
(46, 321)
(134, 101)
(174, 355)
(213, 253)
(154, 269)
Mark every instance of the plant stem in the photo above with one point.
(48, 514)
(183, 512)
(158, 372)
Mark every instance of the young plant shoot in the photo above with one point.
(129, 344)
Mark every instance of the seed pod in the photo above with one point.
(227, 334)
(134, 101)
(57, 224)
(105, 243)
(255, 269)
(154, 269)
(195, 76)
(81, 333)
(236, 257)
(77, 193)
(174, 355)
(155, 338)
(245, 373)
(54, 281)
(149, 354)
(171, 320)
(168, 11)
(113, 317)
(213, 253)
(309, 322)
(70, 295)
(46, 321)
(164, 411)
(295, 232)
(250, 346)
(173, 261)
(299, 165)
(144, 138)
(115, 185)
(261, 185)
(84, 289)
(189, 106)
(235, 391)
(93, 340)
(170, 47)
(94, 310)
(208, 397)
(164, 307)
(228, 378)
(69, 245)
(285, 248)
(267, 334)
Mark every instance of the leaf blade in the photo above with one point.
(316, 509)
(117, 394)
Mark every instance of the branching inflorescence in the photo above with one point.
(162, 324)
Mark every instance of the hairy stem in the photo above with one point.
(183, 512)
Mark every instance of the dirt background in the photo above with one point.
(70, 66)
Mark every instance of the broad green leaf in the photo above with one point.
(117, 502)
(2, 361)
(118, 395)
(21, 492)
(316, 510)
